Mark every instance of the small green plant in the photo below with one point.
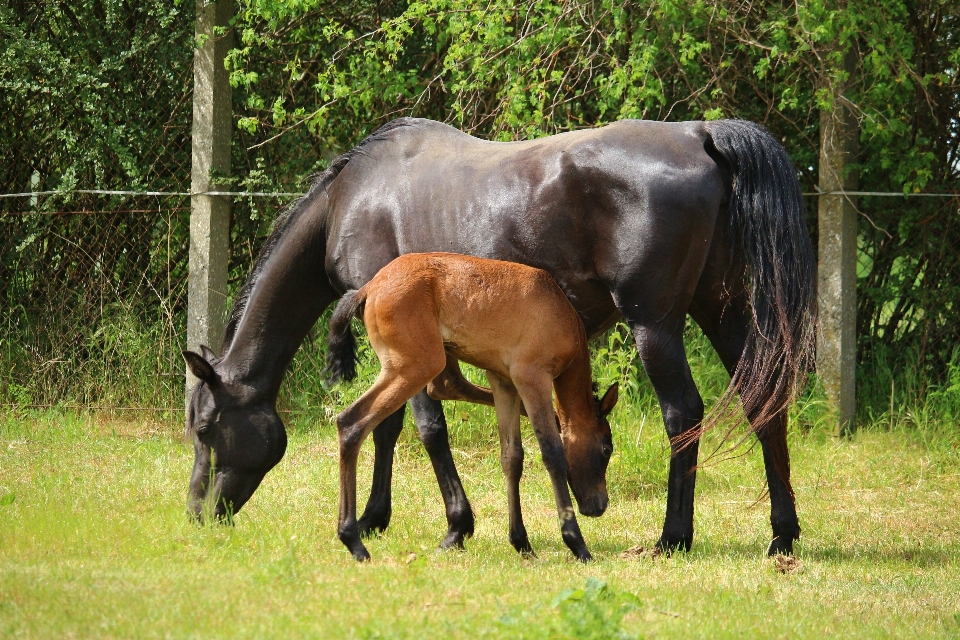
(593, 612)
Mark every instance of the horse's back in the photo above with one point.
(586, 205)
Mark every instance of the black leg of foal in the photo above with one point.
(432, 425)
(376, 515)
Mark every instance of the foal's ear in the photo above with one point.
(609, 400)
(207, 353)
(199, 367)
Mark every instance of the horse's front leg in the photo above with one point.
(507, 404)
(432, 426)
(376, 515)
(538, 398)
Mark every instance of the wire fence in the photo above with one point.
(94, 216)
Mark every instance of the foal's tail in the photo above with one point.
(341, 344)
(767, 226)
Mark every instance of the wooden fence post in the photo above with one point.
(837, 351)
(209, 215)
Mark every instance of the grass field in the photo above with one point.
(94, 542)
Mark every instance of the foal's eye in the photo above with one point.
(607, 447)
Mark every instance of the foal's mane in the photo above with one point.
(291, 213)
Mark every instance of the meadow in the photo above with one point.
(94, 541)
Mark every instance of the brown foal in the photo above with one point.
(423, 312)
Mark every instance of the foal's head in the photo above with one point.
(588, 448)
(237, 438)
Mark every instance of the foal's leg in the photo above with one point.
(507, 404)
(432, 425)
(387, 395)
(451, 385)
(376, 515)
(537, 393)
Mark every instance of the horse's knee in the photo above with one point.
(434, 436)
(350, 434)
(677, 420)
(554, 458)
(512, 463)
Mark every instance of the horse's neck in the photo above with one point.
(574, 387)
(289, 295)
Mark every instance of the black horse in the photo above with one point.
(648, 221)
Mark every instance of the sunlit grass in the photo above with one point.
(94, 541)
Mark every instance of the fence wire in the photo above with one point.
(94, 257)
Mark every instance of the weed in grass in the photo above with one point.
(592, 612)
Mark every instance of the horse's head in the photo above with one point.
(588, 448)
(237, 438)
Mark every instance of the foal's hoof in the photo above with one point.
(359, 552)
(351, 540)
(520, 542)
(780, 546)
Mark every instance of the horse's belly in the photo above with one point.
(467, 348)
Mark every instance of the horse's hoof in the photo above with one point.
(453, 540)
(668, 544)
(360, 554)
(780, 546)
(369, 526)
(460, 527)
(584, 556)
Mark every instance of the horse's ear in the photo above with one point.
(199, 367)
(207, 353)
(610, 398)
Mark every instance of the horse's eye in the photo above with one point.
(202, 429)
(607, 447)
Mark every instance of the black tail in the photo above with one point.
(341, 344)
(767, 227)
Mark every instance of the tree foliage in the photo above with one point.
(91, 95)
(317, 76)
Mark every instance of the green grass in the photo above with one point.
(94, 541)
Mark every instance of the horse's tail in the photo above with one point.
(341, 344)
(767, 226)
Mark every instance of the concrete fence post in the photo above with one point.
(837, 216)
(209, 215)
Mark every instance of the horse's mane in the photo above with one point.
(320, 182)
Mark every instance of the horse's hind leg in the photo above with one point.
(726, 325)
(432, 426)
(387, 395)
(661, 348)
(451, 385)
(783, 510)
(536, 390)
(376, 515)
(507, 404)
